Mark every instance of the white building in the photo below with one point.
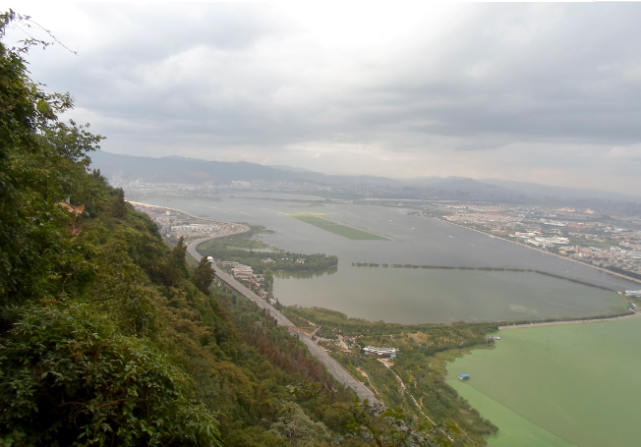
(243, 272)
(379, 351)
(194, 228)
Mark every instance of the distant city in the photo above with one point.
(609, 242)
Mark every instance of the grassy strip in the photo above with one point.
(341, 230)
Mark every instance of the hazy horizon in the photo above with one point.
(541, 93)
(409, 180)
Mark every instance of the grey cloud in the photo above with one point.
(565, 82)
(500, 77)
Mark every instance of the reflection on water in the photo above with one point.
(304, 275)
(257, 250)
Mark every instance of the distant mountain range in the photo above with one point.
(193, 171)
(289, 168)
(190, 170)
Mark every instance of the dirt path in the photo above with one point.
(403, 390)
(556, 323)
(364, 374)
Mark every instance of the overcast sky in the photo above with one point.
(549, 93)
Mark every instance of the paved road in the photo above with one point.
(334, 368)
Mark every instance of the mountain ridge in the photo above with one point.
(179, 169)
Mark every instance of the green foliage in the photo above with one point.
(338, 418)
(42, 161)
(295, 426)
(255, 437)
(68, 376)
(204, 275)
(119, 209)
(119, 287)
(285, 261)
(176, 265)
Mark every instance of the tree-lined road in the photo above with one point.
(334, 368)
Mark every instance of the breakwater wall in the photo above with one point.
(487, 269)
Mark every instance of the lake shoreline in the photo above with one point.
(579, 321)
(541, 251)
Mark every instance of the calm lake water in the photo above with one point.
(414, 295)
(444, 296)
(575, 384)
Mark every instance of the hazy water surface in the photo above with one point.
(415, 295)
(444, 296)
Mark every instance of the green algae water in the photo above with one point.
(576, 384)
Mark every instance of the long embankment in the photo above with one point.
(484, 269)
(557, 323)
(334, 368)
(629, 278)
(187, 214)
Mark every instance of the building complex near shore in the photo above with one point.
(380, 351)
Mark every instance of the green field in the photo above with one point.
(558, 385)
(341, 230)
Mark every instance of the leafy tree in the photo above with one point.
(119, 209)
(69, 377)
(204, 275)
(176, 266)
(298, 428)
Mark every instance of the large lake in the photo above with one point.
(575, 384)
(414, 295)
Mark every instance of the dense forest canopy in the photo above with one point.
(107, 337)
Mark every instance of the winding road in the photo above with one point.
(334, 368)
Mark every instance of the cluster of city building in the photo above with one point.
(187, 229)
(347, 343)
(584, 235)
(253, 281)
(181, 224)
